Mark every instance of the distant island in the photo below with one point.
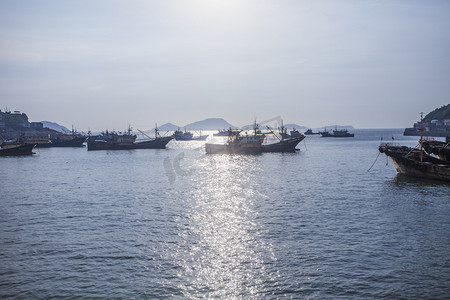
(436, 123)
(55, 126)
(207, 124)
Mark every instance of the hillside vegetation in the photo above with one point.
(440, 114)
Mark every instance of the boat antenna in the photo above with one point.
(421, 137)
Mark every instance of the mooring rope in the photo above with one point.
(374, 162)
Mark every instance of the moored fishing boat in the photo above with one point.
(415, 162)
(55, 139)
(127, 141)
(16, 149)
(112, 141)
(64, 141)
(340, 133)
(238, 144)
(310, 132)
(287, 143)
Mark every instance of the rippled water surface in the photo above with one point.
(178, 223)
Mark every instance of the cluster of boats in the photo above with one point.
(237, 142)
(24, 145)
(430, 159)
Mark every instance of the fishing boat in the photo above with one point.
(310, 132)
(64, 141)
(112, 141)
(340, 133)
(127, 141)
(74, 139)
(287, 143)
(294, 133)
(225, 132)
(238, 144)
(188, 136)
(16, 149)
(415, 162)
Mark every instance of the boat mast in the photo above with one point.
(421, 137)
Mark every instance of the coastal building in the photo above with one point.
(436, 123)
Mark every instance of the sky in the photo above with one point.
(107, 64)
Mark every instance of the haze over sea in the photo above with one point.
(178, 223)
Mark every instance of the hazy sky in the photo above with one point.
(105, 64)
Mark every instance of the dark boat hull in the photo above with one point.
(18, 150)
(283, 146)
(75, 142)
(327, 134)
(429, 168)
(159, 143)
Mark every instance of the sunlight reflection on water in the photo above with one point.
(227, 257)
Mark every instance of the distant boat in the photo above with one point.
(341, 133)
(295, 133)
(310, 132)
(16, 149)
(61, 140)
(188, 136)
(225, 132)
(64, 141)
(127, 141)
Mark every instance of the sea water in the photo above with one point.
(178, 223)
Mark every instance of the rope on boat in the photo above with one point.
(374, 161)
